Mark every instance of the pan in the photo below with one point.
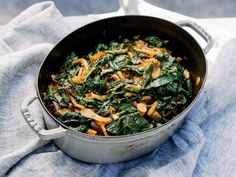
(99, 149)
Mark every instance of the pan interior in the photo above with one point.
(84, 39)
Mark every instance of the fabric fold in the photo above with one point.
(41, 23)
(25, 42)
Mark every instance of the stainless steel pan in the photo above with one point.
(98, 149)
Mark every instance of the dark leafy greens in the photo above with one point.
(124, 87)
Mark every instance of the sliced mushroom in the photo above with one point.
(102, 127)
(121, 76)
(142, 108)
(91, 132)
(198, 79)
(186, 74)
(155, 115)
(178, 59)
(92, 95)
(151, 52)
(120, 51)
(152, 109)
(94, 58)
(74, 102)
(146, 99)
(115, 77)
(138, 79)
(138, 86)
(80, 78)
(53, 77)
(140, 43)
(92, 115)
(59, 111)
(156, 71)
(146, 62)
(111, 110)
(129, 94)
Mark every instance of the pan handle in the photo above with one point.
(202, 32)
(41, 132)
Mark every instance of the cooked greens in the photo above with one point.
(124, 87)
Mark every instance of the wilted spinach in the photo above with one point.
(111, 89)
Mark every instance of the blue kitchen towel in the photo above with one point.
(203, 146)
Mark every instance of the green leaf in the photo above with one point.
(135, 58)
(60, 100)
(126, 108)
(155, 41)
(104, 59)
(189, 86)
(120, 58)
(101, 47)
(74, 116)
(162, 80)
(129, 124)
(114, 46)
(134, 69)
(80, 128)
(115, 86)
(137, 37)
(147, 75)
(119, 62)
(50, 91)
(106, 71)
(180, 99)
(72, 55)
(91, 70)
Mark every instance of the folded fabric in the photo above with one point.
(27, 39)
